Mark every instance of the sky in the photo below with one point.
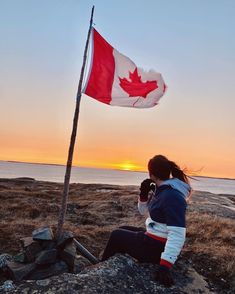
(191, 42)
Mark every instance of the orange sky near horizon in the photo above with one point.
(102, 143)
(40, 59)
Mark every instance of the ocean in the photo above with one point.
(55, 173)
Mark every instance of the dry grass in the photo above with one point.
(95, 210)
(211, 246)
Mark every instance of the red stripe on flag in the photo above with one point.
(100, 81)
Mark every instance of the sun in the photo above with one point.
(127, 166)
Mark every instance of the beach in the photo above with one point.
(94, 210)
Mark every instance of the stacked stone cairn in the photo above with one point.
(43, 256)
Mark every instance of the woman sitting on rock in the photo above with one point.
(164, 236)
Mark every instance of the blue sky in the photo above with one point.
(190, 42)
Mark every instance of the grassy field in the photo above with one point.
(95, 210)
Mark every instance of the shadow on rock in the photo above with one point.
(119, 274)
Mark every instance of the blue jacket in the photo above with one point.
(166, 220)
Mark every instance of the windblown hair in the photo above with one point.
(162, 168)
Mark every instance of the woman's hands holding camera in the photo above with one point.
(145, 187)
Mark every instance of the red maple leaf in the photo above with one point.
(135, 87)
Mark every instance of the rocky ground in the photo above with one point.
(119, 274)
(207, 263)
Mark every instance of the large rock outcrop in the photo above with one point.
(119, 274)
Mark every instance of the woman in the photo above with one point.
(164, 236)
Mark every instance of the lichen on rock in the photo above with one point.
(119, 274)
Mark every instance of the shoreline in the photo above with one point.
(95, 184)
(214, 186)
(105, 168)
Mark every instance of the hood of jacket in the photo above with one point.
(179, 185)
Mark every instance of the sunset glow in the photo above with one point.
(41, 58)
(127, 166)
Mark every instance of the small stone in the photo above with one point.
(68, 255)
(7, 286)
(80, 264)
(32, 251)
(25, 242)
(65, 237)
(47, 245)
(46, 257)
(43, 283)
(4, 258)
(43, 234)
(20, 257)
(18, 271)
(52, 270)
(24, 179)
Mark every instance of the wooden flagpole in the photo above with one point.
(63, 208)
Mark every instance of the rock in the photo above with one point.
(196, 282)
(49, 271)
(25, 242)
(4, 258)
(65, 237)
(20, 257)
(7, 286)
(19, 271)
(24, 179)
(31, 251)
(43, 283)
(46, 256)
(47, 245)
(80, 263)
(119, 274)
(68, 255)
(43, 234)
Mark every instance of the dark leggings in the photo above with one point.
(133, 241)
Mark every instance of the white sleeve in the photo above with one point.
(143, 207)
(174, 244)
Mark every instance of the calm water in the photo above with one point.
(55, 173)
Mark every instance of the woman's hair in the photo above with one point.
(162, 168)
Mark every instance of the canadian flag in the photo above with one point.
(115, 79)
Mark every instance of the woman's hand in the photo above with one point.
(163, 276)
(145, 188)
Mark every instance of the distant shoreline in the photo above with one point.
(57, 164)
(29, 180)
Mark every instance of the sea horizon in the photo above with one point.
(93, 175)
(109, 168)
